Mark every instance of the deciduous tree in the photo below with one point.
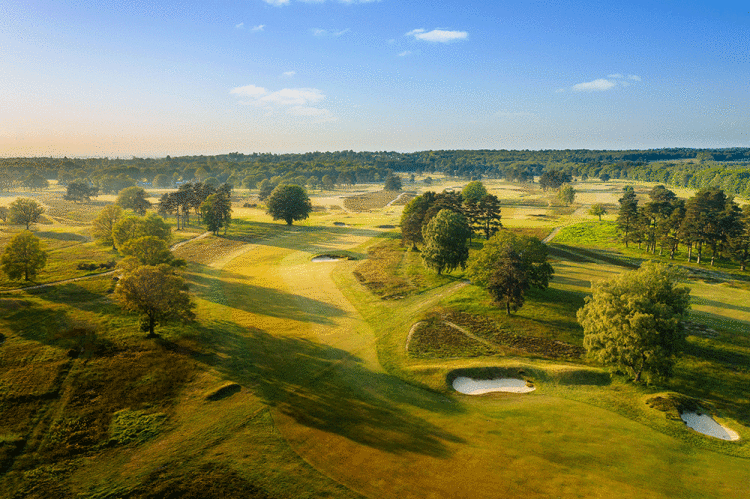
(628, 213)
(634, 320)
(24, 211)
(598, 210)
(216, 211)
(474, 191)
(134, 198)
(531, 250)
(23, 256)
(79, 191)
(157, 293)
(289, 203)
(105, 222)
(566, 195)
(445, 237)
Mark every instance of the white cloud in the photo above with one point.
(258, 27)
(598, 85)
(288, 74)
(239, 26)
(634, 77)
(405, 53)
(616, 75)
(327, 33)
(438, 35)
(277, 3)
(294, 101)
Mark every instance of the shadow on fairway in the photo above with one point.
(717, 304)
(259, 299)
(329, 389)
(317, 237)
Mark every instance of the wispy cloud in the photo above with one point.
(603, 84)
(277, 3)
(288, 74)
(598, 85)
(328, 33)
(438, 35)
(258, 27)
(293, 101)
(405, 53)
(239, 26)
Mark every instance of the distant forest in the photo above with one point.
(728, 169)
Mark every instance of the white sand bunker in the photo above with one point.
(471, 386)
(703, 423)
(325, 258)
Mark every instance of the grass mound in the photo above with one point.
(226, 390)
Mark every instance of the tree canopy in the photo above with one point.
(392, 183)
(445, 237)
(474, 191)
(134, 227)
(289, 202)
(134, 198)
(80, 190)
(147, 250)
(598, 210)
(216, 211)
(566, 194)
(103, 224)
(24, 211)
(531, 251)
(634, 320)
(23, 256)
(157, 293)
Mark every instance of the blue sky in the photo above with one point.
(142, 78)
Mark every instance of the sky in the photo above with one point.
(181, 77)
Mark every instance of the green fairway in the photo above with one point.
(296, 380)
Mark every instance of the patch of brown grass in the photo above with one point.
(490, 331)
(370, 201)
(379, 271)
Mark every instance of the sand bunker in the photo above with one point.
(471, 386)
(325, 258)
(703, 423)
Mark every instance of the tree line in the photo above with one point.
(708, 220)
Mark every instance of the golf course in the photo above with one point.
(335, 378)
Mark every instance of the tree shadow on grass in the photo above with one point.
(314, 237)
(71, 294)
(261, 300)
(717, 304)
(329, 389)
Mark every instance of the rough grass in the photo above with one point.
(371, 200)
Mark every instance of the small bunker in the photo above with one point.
(478, 381)
(471, 386)
(705, 424)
